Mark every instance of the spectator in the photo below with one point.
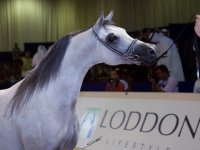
(197, 30)
(16, 52)
(5, 74)
(165, 32)
(172, 61)
(145, 35)
(26, 60)
(197, 25)
(115, 83)
(41, 53)
(16, 73)
(166, 82)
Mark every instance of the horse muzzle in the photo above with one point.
(141, 54)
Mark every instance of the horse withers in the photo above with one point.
(38, 113)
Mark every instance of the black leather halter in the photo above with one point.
(129, 54)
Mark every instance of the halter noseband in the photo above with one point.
(129, 54)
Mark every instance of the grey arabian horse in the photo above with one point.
(38, 113)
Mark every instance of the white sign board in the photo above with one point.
(139, 121)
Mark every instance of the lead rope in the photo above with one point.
(179, 35)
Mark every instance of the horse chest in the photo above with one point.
(49, 131)
(66, 135)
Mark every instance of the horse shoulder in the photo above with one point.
(48, 129)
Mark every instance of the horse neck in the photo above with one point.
(79, 57)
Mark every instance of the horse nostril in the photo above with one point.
(151, 52)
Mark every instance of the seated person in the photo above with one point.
(166, 82)
(115, 83)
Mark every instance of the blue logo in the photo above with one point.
(88, 122)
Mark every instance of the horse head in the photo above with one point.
(115, 46)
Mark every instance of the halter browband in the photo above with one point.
(127, 55)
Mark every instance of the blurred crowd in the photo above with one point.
(163, 76)
(21, 64)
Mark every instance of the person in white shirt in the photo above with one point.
(172, 61)
(41, 53)
(166, 83)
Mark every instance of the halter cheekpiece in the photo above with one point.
(129, 54)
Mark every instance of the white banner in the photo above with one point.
(139, 121)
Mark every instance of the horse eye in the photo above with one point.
(111, 37)
(151, 52)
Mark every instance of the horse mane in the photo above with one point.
(40, 76)
(47, 70)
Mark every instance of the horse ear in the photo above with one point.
(109, 16)
(100, 21)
